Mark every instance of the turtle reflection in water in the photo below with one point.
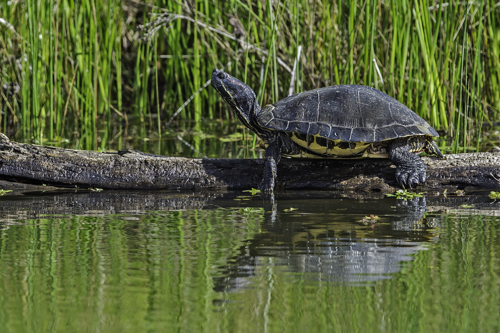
(345, 121)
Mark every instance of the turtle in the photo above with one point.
(343, 121)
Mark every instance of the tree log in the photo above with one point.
(135, 170)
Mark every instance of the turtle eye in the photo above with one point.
(221, 75)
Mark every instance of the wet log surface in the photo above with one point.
(37, 165)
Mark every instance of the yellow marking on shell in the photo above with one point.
(366, 154)
(358, 148)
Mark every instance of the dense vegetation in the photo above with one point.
(85, 68)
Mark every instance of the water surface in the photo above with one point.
(314, 261)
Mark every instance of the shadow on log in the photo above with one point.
(135, 170)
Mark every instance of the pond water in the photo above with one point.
(229, 262)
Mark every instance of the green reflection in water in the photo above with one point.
(221, 270)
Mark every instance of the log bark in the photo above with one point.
(136, 170)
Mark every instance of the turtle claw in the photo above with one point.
(401, 179)
(408, 178)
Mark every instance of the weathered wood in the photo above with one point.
(135, 170)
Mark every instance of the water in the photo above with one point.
(229, 262)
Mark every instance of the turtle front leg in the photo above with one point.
(277, 145)
(273, 156)
(410, 170)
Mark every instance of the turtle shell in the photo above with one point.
(348, 113)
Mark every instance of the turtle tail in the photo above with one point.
(432, 149)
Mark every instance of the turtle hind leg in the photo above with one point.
(410, 170)
(432, 149)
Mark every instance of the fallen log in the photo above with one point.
(136, 170)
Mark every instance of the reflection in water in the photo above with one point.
(332, 249)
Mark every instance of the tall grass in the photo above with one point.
(76, 70)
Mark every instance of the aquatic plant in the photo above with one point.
(494, 195)
(405, 194)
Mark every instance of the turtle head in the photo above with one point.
(238, 95)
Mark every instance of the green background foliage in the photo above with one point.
(89, 69)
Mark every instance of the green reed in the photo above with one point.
(83, 68)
